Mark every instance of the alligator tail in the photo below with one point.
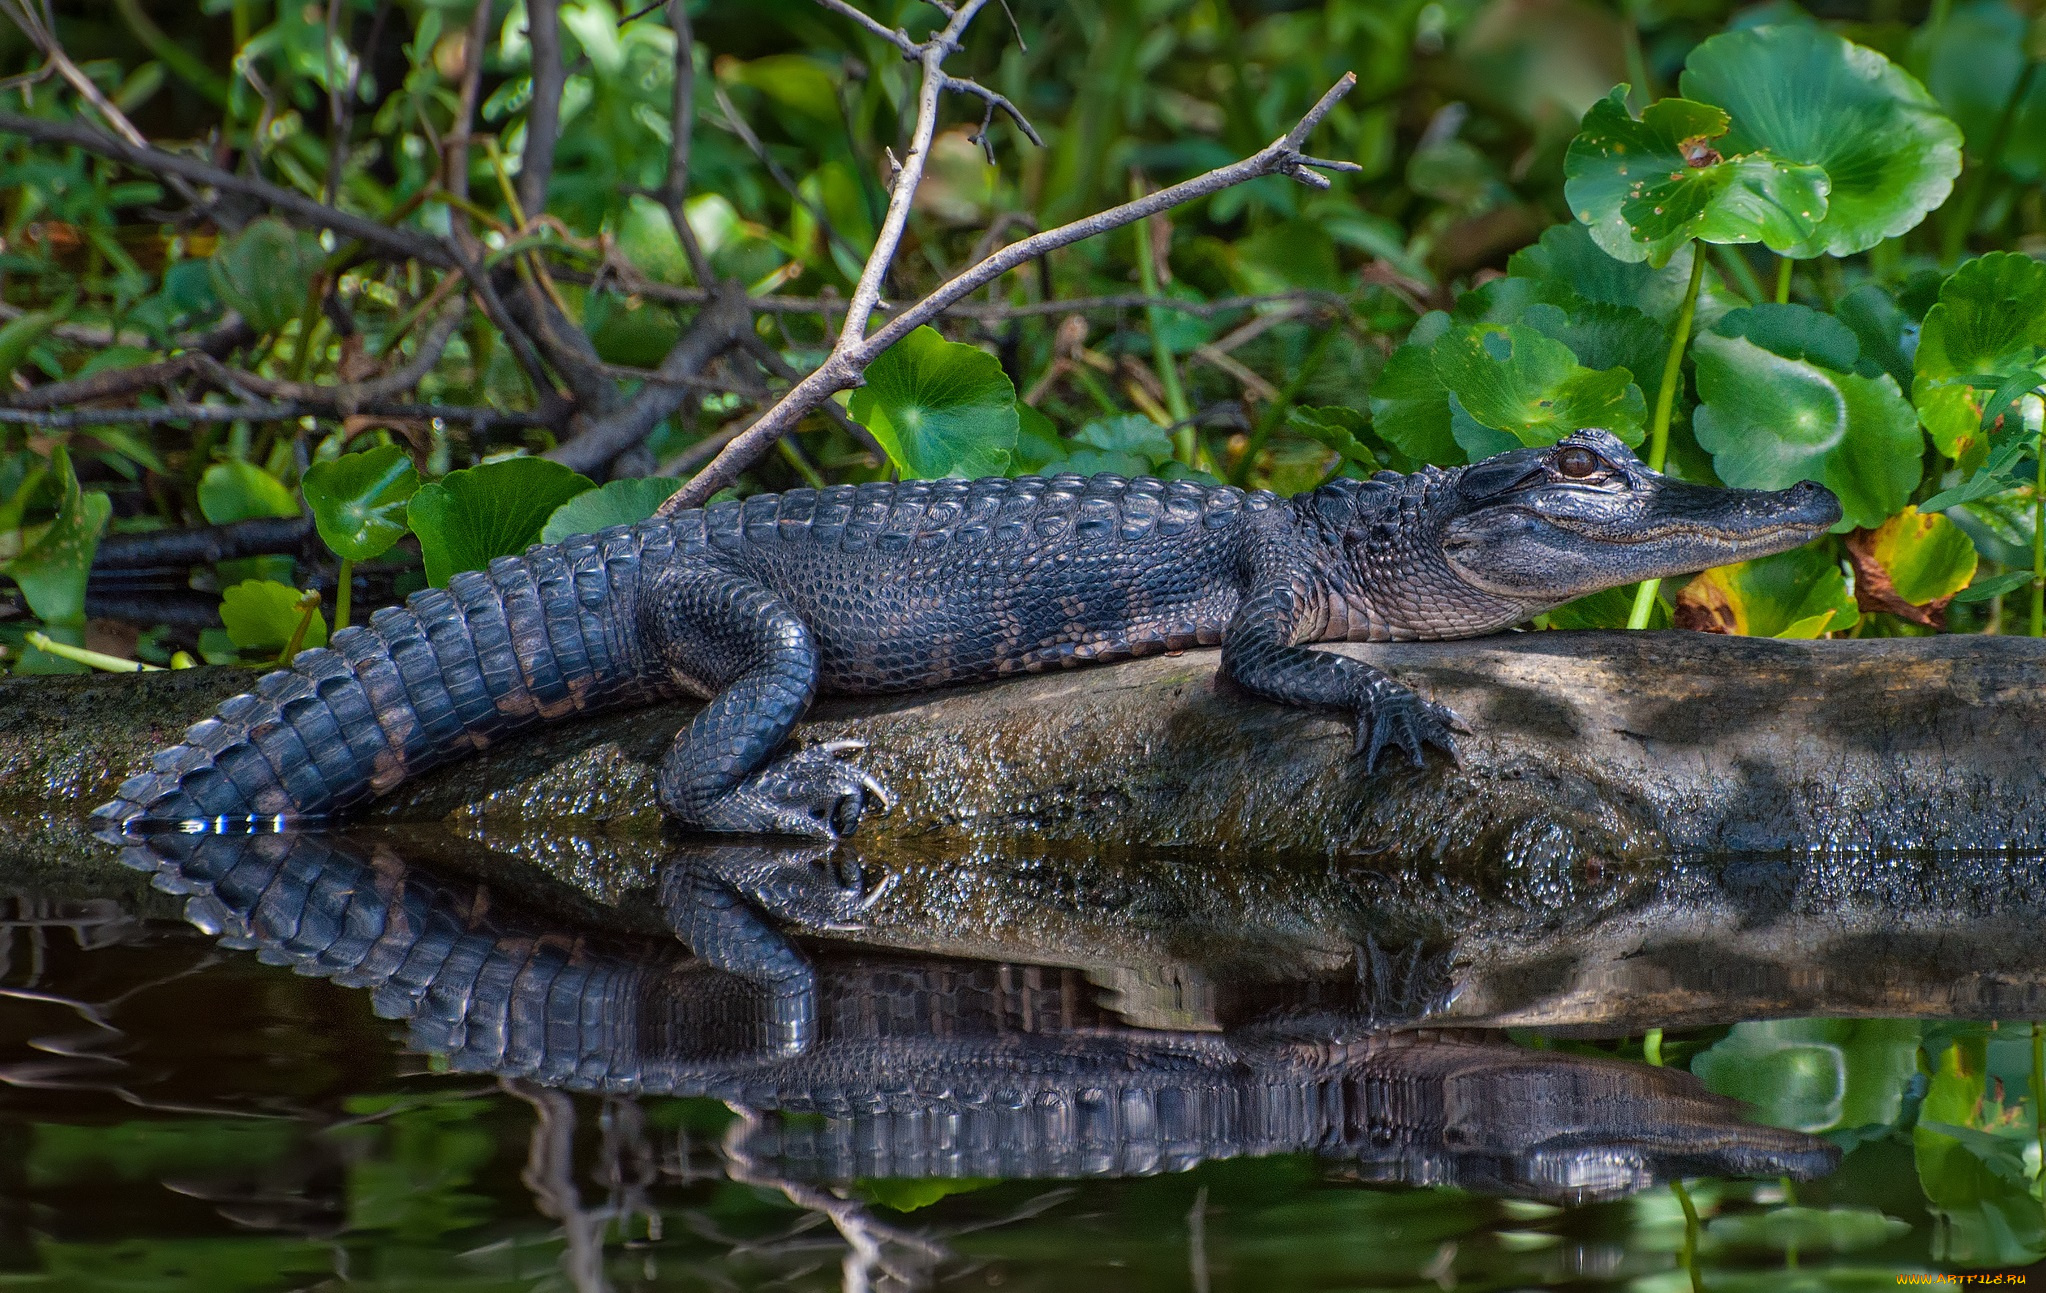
(533, 638)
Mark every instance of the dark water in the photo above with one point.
(391, 1063)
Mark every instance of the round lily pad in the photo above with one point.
(1808, 96)
(1770, 422)
(1517, 381)
(1647, 187)
(621, 502)
(939, 408)
(494, 510)
(359, 500)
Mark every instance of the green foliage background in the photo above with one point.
(1445, 302)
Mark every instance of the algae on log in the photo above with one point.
(1593, 746)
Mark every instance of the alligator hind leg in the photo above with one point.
(726, 636)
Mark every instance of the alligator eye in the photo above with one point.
(1577, 464)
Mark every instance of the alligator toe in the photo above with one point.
(817, 792)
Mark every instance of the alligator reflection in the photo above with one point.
(925, 1066)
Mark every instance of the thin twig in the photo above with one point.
(994, 311)
(903, 185)
(402, 242)
(844, 367)
(45, 39)
(476, 417)
(603, 438)
(682, 129)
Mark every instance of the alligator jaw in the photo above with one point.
(1539, 535)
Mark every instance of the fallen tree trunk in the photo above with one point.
(1591, 747)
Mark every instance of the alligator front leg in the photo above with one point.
(726, 636)
(1264, 651)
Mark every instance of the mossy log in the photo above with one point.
(1599, 747)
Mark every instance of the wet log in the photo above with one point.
(1588, 749)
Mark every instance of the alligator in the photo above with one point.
(757, 606)
(927, 1066)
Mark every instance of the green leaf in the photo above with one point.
(1879, 326)
(939, 408)
(1983, 335)
(1994, 586)
(1568, 255)
(262, 614)
(1607, 337)
(1770, 422)
(1800, 593)
(19, 336)
(629, 330)
(498, 509)
(359, 499)
(1808, 96)
(242, 491)
(1610, 609)
(1990, 318)
(1409, 403)
(1992, 477)
(1974, 1182)
(1815, 1074)
(1647, 187)
(265, 272)
(1794, 332)
(1037, 441)
(1132, 433)
(1926, 556)
(1515, 380)
(909, 1194)
(621, 502)
(1336, 427)
(56, 558)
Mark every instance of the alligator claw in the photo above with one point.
(815, 793)
(1412, 724)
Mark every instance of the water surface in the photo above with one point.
(399, 1061)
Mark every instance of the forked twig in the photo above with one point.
(844, 367)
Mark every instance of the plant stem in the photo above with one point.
(344, 594)
(1689, 1257)
(308, 606)
(1783, 265)
(1665, 404)
(2039, 540)
(1275, 412)
(48, 645)
(1183, 440)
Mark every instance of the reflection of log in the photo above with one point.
(1588, 747)
(921, 1066)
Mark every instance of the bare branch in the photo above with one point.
(899, 39)
(903, 185)
(402, 242)
(731, 120)
(682, 129)
(543, 114)
(843, 368)
(476, 418)
(203, 545)
(723, 322)
(45, 39)
(994, 311)
(995, 103)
